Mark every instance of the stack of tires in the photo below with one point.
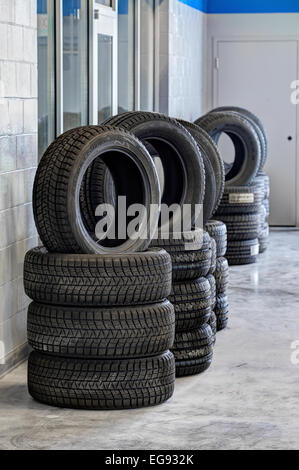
(242, 206)
(193, 257)
(99, 325)
(192, 300)
(193, 168)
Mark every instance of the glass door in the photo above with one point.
(104, 101)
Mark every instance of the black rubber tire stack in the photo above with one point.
(190, 251)
(192, 301)
(219, 275)
(99, 325)
(240, 210)
(243, 207)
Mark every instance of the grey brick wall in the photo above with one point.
(18, 160)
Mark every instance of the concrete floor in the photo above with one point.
(249, 399)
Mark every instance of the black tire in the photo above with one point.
(97, 280)
(242, 252)
(102, 384)
(245, 140)
(258, 126)
(193, 351)
(214, 168)
(97, 188)
(190, 254)
(213, 324)
(222, 311)
(194, 366)
(212, 282)
(192, 303)
(242, 227)
(184, 174)
(222, 324)
(58, 181)
(114, 332)
(213, 257)
(221, 275)
(241, 199)
(217, 230)
(264, 238)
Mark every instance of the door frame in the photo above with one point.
(262, 38)
(108, 27)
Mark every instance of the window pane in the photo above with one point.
(147, 55)
(105, 74)
(46, 75)
(75, 63)
(126, 68)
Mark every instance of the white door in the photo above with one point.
(104, 60)
(257, 75)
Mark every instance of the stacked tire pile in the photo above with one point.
(244, 206)
(99, 325)
(190, 251)
(192, 301)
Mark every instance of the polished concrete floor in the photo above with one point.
(249, 399)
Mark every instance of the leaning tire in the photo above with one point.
(184, 174)
(97, 280)
(245, 140)
(56, 195)
(97, 188)
(90, 332)
(258, 126)
(102, 384)
(214, 168)
(192, 303)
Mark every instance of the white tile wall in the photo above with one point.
(18, 160)
(186, 48)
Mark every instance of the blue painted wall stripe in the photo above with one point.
(197, 4)
(244, 6)
(42, 7)
(123, 7)
(253, 6)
